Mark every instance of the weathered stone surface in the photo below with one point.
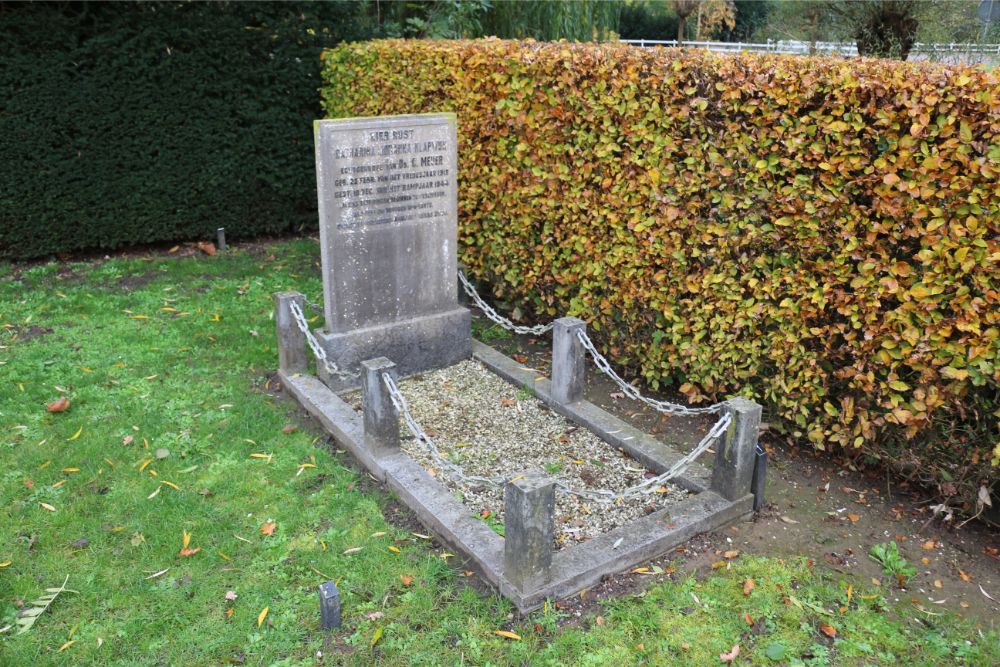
(329, 605)
(529, 504)
(388, 234)
(379, 414)
(568, 359)
(734, 456)
(292, 357)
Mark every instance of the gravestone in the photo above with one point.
(388, 235)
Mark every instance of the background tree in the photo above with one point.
(684, 9)
(647, 20)
(582, 20)
(882, 28)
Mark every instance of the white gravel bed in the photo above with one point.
(490, 427)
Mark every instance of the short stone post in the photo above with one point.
(568, 360)
(329, 606)
(381, 419)
(292, 357)
(735, 455)
(529, 506)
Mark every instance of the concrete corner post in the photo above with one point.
(736, 453)
(568, 360)
(529, 506)
(292, 357)
(381, 419)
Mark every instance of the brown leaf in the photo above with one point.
(729, 555)
(289, 428)
(729, 657)
(928, 545)
(854, 518)
(206, 247)
(268, 528)
(406, 579)
(828, 630)
(519, 358)
(127, 440)
(186, 551)
(964, 576)
(59, 405)
(507, 402)
(748, 586)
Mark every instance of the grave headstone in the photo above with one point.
(388, 233)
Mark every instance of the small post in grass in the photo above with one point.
(220, 237)
(292, 356)
(381, 419)
(329, 605)
(736, 454)
(529, 506)
(568, 360)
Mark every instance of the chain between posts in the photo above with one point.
(420, 435)
(491, 314)
(317, 349)
(602, 496)
(661, 406)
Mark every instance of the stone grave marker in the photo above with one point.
(388, 233)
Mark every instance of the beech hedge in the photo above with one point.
(821, 234)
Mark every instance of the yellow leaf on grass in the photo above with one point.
(71, 470)
(75, 435)
(261, 617)
(6, 563)
(48, 507)
(377, 636)
(144, 464)
(170, 484)
(393, 549)
(507, 634)
(66, 645)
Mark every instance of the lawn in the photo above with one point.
(174, 434)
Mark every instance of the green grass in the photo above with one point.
(175, 353)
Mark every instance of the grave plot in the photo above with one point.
(541, 490)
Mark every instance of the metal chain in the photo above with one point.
(491, 314)
(661, 406)
(421, 436)
(300, 320)
(602, 496)
(654, 483)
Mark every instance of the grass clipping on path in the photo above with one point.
(176, 354)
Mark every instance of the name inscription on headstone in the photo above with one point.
(391, 176)
(388, 218)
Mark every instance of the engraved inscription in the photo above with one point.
(387, 176)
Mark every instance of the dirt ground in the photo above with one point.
(819, 510)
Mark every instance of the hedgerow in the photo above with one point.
(821, 234)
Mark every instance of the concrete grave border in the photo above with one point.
(524, 567)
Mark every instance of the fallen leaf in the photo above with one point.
(352, 550)
(375, 615)
(406, 579)
(158, 574)
(928, 545)
(787, 519)
(289, 428)
(729, 657)
(59, 405)
(717, 564)
(507, 634)
(375, 637)
(519, 358)
(206, 247)
(938, 584)
(876, 582)
(75, 435)
(6, 563)
(748, 586)
(261, 617)
(965, 577)
(189, 552)
(854, 518)
(229, 612)
(828, 630)
(66, 645)
(48, 507)
(268, 528)
(393, 549)
(507, 402)
(729, 555)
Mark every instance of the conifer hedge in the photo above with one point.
(818, 233)
(126, 123)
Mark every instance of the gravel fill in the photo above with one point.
(490, 427)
